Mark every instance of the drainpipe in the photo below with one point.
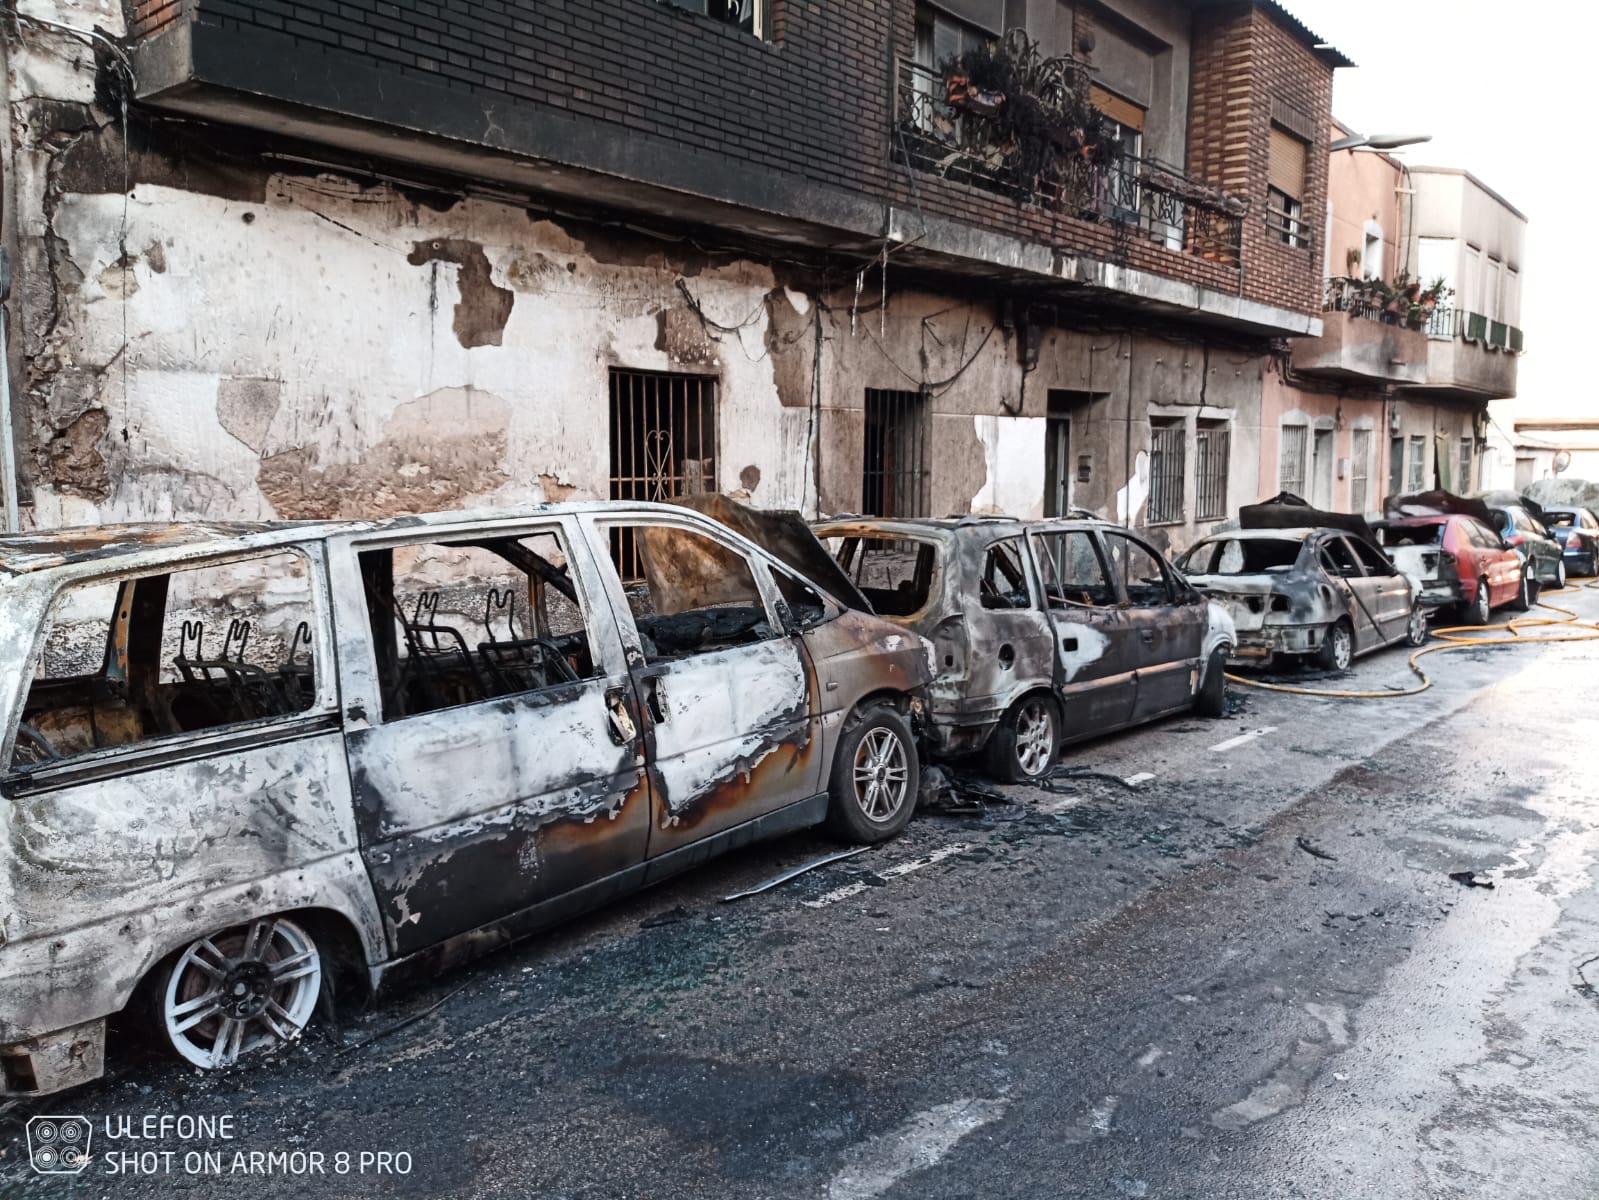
(8, 450)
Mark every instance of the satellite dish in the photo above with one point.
(1562, 461)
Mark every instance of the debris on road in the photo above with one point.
(1314, 850)
(399, 1025)
(949, 793)
(793, 873)
(1141, 777)
(1469, 879)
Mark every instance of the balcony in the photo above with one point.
(1142, 199)
(1362, 341)
(1471, 356)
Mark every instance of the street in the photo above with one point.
(1249, 974)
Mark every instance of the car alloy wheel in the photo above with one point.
(1560, 573)
(882, 775)
(1343, 647)
(1416, 628)
(1480, 608)
(1035, 737)
(252, 987)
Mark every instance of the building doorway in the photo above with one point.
(1321, 469)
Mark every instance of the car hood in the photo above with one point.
(783, 534)
(1438, 504)
(1287, 511)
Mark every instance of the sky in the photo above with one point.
(1507, 92)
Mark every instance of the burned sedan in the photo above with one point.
(1044, 632)
(243, 762)
(1318, 593)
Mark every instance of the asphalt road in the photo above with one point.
(1249, 975)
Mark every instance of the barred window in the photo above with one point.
(1467, 458)
(894, 465)
(1166, 451)
(1212, 447)
(1291, 462)
(1418, 462)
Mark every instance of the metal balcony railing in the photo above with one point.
(1445, 324)
(1141, 197)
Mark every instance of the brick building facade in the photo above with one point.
(445, 190)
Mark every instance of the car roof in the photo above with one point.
(45, 549)
(978, 527)
(1262, 535)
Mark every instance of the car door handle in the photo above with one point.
(1147, 636)
(618, 721)
(1068, 643)
(655, 697)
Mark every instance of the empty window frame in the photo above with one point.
(1417, 463)
(663, 443)
(895, 575)
(1073, 571)
(474, 619)
(1004, 580)
(894, 465)
(1167, 450)
(1285, 188)
(1212, 450)
(1291, 459)
(695, 595)
(168, 654)
(1359, 470)
(1142, 573)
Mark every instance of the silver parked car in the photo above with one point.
(1320, 593)
(241, 762)
(1045, 632)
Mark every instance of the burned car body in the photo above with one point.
(1320, 593)
(1044, 632)
(241, 759)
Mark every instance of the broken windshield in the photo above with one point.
(1421, 534)
(1242, 556)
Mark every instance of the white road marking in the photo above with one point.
(1141, 777)
(876, 1165)
(1243, 739)
(894, 872)
(1053, 808)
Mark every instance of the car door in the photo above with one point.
(1498, 563)
(727, 693)
(496, 756)
(1357, 595)
(1094, 639)
(1169, 623)
(1392, 589)
(1013, 644)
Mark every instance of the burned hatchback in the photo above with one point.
(243, 762)
(1044, 632)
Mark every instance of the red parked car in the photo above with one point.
(1460, 563)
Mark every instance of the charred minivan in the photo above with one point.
(242, 760)
(1044, 632)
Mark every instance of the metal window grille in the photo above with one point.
(1396, 465)
(663, 444)
(1212, 449)
(1418, 463)
(1360, 470)
(1466, 457)
(894, 465)
(1291, 463)
(1166, 451)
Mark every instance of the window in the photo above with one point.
(1337, 557)
(1212, 449)
(696, 595)
(1004, 580)
(1371, 252)
(896, 576)
(1142, 574)
(805, 607)
(1166, 451)
(1242, 556)
(1126, 128)
(894, 473)
(752, 16)
(1418, 463)
(1291, 463)
(940, 37)
(663, 443)
(1396, 465)
(1467, 457)
(465, 621)
(1359, 470)
(1073, 571)
(171, 654)
(1285, 188)
(1373, 559)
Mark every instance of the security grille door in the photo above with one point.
(663, 444)
(1359, 470)
(1291, 462)
(894, 464)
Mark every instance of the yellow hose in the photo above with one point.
(1461, 637)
